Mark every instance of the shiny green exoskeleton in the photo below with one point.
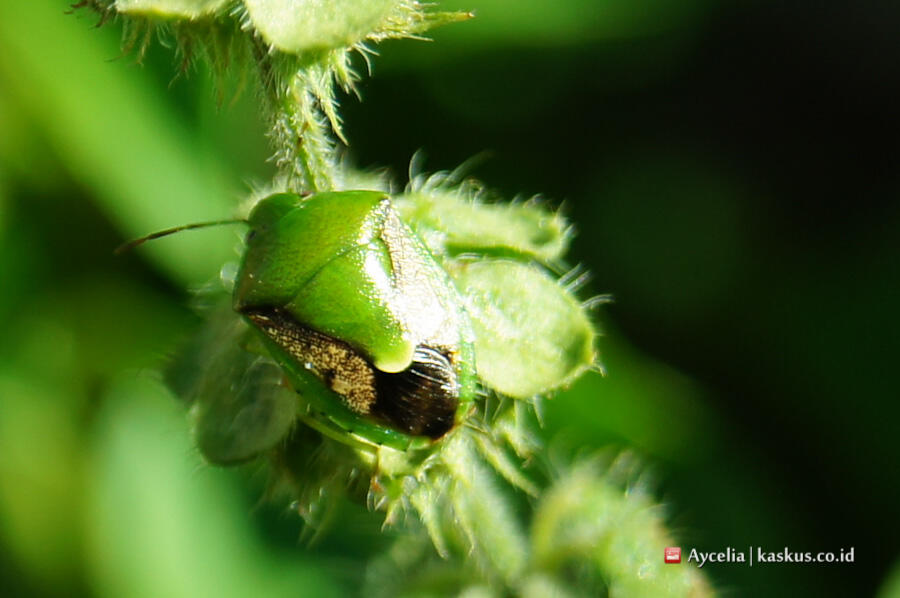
(365, 324)
(352, 319)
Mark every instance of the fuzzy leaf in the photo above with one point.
(235, 426)
(452, 224)
(187, 9)
(585, 514)
(531, 336)
(240, 407)
(483, 513)
(301, 25)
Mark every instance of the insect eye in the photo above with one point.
(250, 235)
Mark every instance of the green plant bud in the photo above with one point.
(531, 335)
(240, 407)
(451, 224)
(186, 9)
(302, 25)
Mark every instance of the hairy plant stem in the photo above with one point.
(298, 94)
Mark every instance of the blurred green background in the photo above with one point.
(732, 171)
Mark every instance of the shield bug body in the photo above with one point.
(367, 327)
(363, 322)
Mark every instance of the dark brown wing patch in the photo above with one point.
(422, 399)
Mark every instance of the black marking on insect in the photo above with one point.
(421, 400)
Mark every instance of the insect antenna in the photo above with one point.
(129, 245)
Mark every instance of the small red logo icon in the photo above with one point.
(673, 554)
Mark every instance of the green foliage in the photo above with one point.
(453, 222)
(531, 336)
(166, 490)
(299, 26)
(500, 519)
(240, 408)
(176, 9)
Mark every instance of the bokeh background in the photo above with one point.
(731, 168)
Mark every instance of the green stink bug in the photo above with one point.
(363, 322)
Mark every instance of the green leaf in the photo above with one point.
(301, 25)
(587, 516)
(42, 467)
(117, 136)
(531, 336)
(451, 223)
(158, 523)
(483, 513)
(240, 406)
(188, 9)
